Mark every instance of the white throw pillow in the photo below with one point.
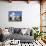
(5, 32)
(23, 31)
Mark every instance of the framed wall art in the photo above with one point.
(15, 15)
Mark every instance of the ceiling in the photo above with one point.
(24, 0)
(21, 0)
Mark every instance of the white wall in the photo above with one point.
(30, 14)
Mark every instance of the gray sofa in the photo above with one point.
(22, 38)
(17, 35)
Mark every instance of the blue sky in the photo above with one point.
(15, 13)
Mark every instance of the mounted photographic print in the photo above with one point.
(15, 15)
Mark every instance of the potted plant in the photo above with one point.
(37, 33)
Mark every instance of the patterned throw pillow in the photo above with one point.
(17, 30)
(11, 30)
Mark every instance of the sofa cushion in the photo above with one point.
(23, 31)
(11, 30)
(17, 30)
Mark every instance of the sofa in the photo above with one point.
(22, 34)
